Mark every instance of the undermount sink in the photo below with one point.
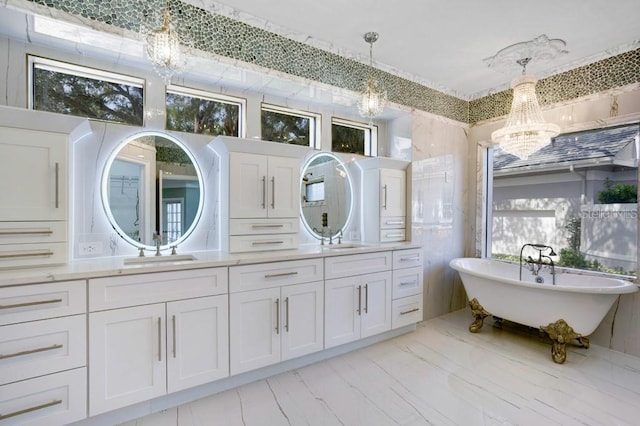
(154, 260)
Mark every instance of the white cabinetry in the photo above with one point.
(43, 375)
(276, 312)
(357, 296)
(259, 195)
(384, 198)
(155, 333)
(407, 287)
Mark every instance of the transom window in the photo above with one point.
(85, 92)
(197, 111)
(353, 137)
(286, 125)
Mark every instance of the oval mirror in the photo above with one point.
(152, 186)
(325, 187)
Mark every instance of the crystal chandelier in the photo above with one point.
(372, 99)
(526, 131)
(163, 49)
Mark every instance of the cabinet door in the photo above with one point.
(283, 187)
(342, 311)
(197, 350)
(126, 357)
(42, 192)
(254, 329)
(248, 190)
(376, 303)
(302, 319)
(393, 192)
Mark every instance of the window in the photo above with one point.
(85, 92)
(353, 137)
(174, 218)
(195, 111)
(577, 195)
(290, 126)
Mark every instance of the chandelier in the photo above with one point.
(526, 131)
(163, 49)
(372, 99)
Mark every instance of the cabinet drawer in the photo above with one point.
(37, 254)
(405, 311)
(263, 226)
(132, 290)
(393, 222)
(390, 235)
(266, 275)
(56, 399)
(40, 301)
(42, 347)
(357, 264)
(407, 258)
(32, 232)
(407, 282)
(247, 243)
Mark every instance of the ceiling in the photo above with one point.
(442, 43)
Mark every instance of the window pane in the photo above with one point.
(285, 128)
(578, 195)
(347, 139)
(66, 93)
(195, 115)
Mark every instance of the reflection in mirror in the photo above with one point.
(152, 187)
(325, 188)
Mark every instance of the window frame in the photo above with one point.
(34, 61)
(315, 121)
(370, 132)
(211, 96)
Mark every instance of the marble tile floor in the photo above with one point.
(441, 374)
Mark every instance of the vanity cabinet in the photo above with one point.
(357, 296)
(155, 334)
(276, 312)
(384, 197)
(259, 195)
(408, 283)
(43, 375)
(33, 212)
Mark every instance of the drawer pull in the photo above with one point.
(264, 192)
(29, 410)
(286, 323)
(278, 316)
(23, 305)
(359, 310)
(57, 185)
(385, 197)
(278, 225)
(394, 222)
(284, 274)
(31, 351)
(263, 243)
(408, 283)
(410, 258)
(159, 339)
(26, 254)
(394, 235)
(273, 192)
(27, 232)
(410, 311)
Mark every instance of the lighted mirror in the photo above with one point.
(152, 186)
(325, 187)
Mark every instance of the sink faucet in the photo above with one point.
(157, 238)
(535, 265)
(339, 235)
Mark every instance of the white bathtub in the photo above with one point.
(581, 300)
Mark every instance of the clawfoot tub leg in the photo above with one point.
(479, 314)
(560, 333)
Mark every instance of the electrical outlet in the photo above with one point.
(92, 248)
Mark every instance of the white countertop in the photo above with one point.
(114, 266)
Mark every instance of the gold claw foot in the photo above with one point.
(560, 333)
(479, 313)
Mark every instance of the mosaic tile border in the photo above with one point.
(221, 35)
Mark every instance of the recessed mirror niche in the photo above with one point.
(151, 186)
(325, 187)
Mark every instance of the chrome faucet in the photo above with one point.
(339, 234)
(535, 265)
(157, 238)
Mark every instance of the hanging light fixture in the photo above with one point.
(163, 49)
(526, 131)
(372, 99)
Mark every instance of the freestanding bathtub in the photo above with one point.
(572, 308)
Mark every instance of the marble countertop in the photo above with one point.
(114, 266)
